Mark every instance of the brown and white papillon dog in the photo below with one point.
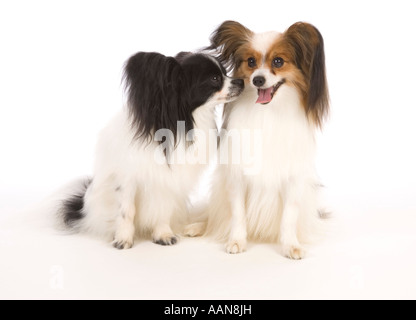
(286, 100)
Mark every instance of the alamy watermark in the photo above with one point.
(242, 147)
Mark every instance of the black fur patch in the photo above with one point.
(73, 206)
(168, 242)
(164, 90)
(155, 85)
(200, 74)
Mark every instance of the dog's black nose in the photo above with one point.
(238, 82)
(259, 81)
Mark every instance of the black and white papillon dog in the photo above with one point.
(145, 163)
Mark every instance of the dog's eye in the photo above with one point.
(251, 62)
(277, 62)
(215, 79)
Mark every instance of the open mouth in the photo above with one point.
(266, 95)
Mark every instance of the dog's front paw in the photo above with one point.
(124, 236)
(122, 244)
(236, 246)
(294, 252)
(166, 240)
(195, 229)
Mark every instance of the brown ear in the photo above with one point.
(229, 37)
(308, 51)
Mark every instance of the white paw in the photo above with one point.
(166, 240)
(195, 229)
(124, 236)
(294, 252)
(236, 246)
(122, 244)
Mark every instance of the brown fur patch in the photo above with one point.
(243, 70)
(231, 40)
(289, 70)
(302, 49)
(306, 46)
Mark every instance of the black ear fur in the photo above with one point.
(181, 56)
(155, 86)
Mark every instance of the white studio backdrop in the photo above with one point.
(60, 83)
(60, 76)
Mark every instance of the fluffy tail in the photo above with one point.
(72, 208)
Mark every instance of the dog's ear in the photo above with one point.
(228, 40)
(307, 47)
(155, 86)
(181, 56)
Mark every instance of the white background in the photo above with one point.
(60, 71)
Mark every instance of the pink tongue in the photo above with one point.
(265, 95)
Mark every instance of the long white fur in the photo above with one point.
(277, 202)
(132, 192)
